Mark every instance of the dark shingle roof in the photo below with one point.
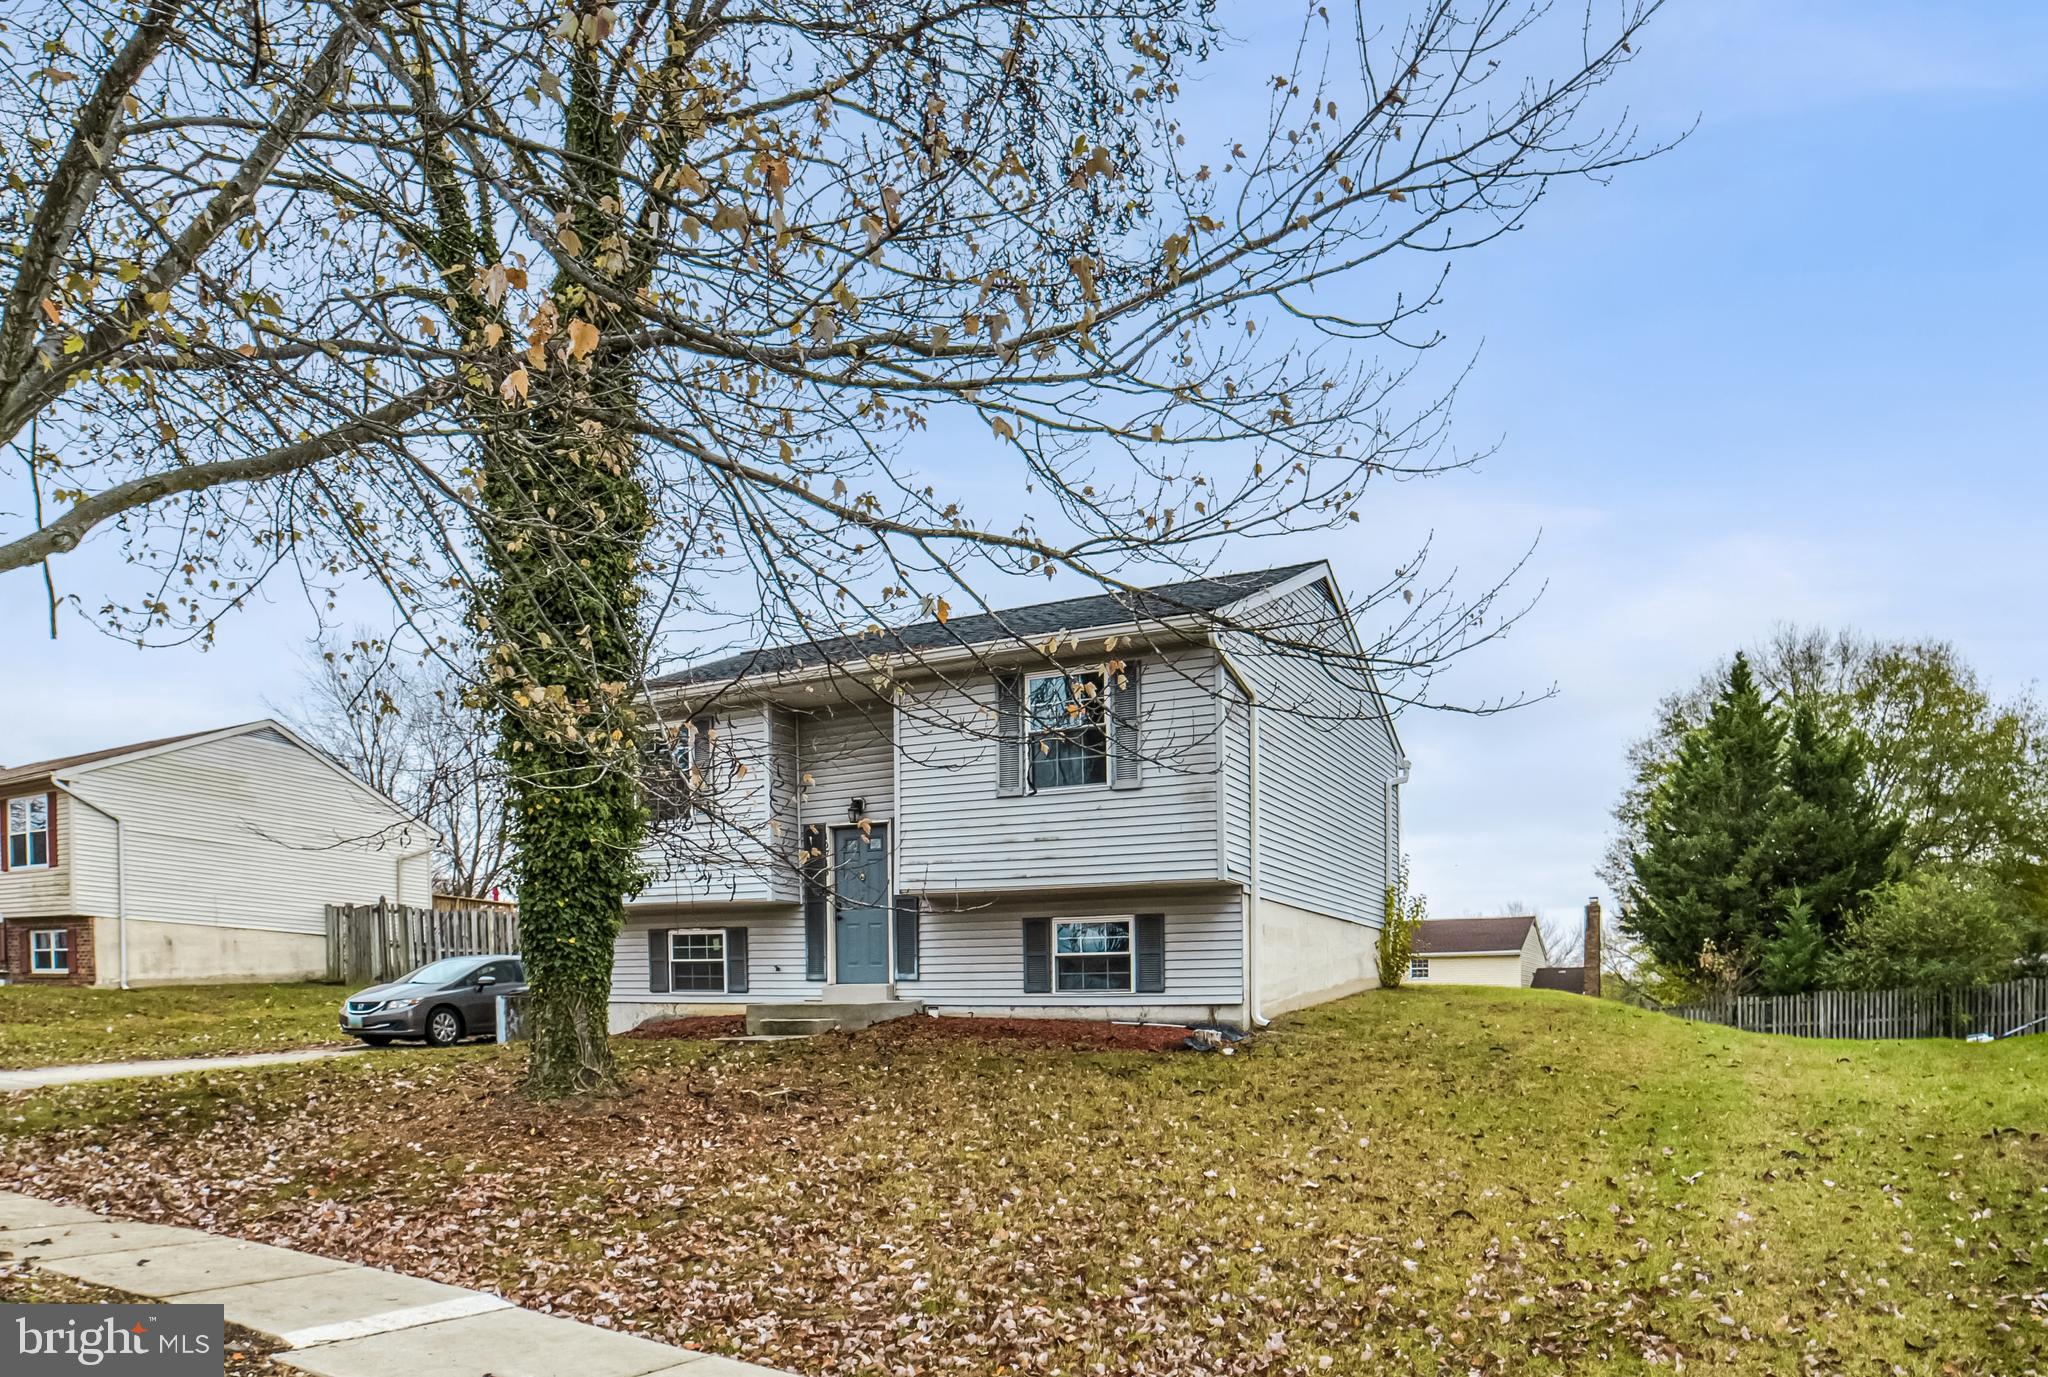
(1017, 623)
(1570, 979)
(1456, 936)
(12, 773)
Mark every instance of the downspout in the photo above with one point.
(1252, 1017)
(1391, 809)
(120, 872)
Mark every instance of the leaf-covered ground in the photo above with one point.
(59, 1025)
(1444, 1181)
(248, 1354)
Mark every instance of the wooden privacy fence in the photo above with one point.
(2012, 1009)
(370, 943)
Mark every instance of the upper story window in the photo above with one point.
(28, 831)
(678, 774)
(1067, 741)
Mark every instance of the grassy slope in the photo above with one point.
(1451, 1180)
(56, 1025)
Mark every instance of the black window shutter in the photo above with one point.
(735, 960)
(1127, 750)
(657, 960)
(909, 912)
(814, 903)
(1038, 956)
(1009, 733)
(1151, 953)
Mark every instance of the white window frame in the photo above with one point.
(1032, 730)
(674, 960)
(1418, 968)
(28, 803)
(1130, 927)
(44, 947)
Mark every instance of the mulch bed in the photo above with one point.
(1073, 1034)
(698, 1027)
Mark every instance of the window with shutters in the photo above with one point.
(1091, 954)
(696, 960)
(1066, 743)
(49, 951)
(28, 831)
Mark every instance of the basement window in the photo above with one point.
(696, 960)
(49, 951)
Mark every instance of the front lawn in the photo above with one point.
(57, 1025)
(1443, 1181)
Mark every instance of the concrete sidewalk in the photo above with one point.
(337, 1319)
(38, 1078)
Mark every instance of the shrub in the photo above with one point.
(1402, 914)
(1933, 930)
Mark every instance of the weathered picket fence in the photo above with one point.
(368, 943)
(2012, 1009)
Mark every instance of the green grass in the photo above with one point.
(57, 1025)
(1442, 1181)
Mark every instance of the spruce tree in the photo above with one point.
(1835, 843)
(1708, 868)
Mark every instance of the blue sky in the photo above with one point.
(1792, 371)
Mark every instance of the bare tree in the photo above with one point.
(403, 728)
(573, 325)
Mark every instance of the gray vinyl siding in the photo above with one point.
(775, 957)
(735, 853)
(1325, 756)
(848, 752)
(959, 834)
(1237, 777)
(973, 957)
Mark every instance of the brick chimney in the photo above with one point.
(1593, 947)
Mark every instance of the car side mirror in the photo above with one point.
(484, 980)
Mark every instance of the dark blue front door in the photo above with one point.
(860, 883)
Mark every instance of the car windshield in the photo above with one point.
(441, 972)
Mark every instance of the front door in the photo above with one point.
(860, 883)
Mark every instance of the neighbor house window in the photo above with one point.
(1068, 740)
(49, 951)
(1092, 954)
(28, 831)
(1418, 968)
(696, 960)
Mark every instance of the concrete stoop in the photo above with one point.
(808, 1020)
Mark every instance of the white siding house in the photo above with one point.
(1478, 951)
(204, 857)
(1181, 813)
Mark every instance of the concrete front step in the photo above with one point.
(806, 1020)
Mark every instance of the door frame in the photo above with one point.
(835, 831)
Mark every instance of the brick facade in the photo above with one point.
(14, 951)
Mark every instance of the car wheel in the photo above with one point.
(444, 1027)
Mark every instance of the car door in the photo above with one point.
(505, 980)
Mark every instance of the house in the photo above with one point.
(1478, 951)
(204, 857)
(1165, 805)
(1583, 978)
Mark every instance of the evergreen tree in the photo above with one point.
(1834, 842)
(1708, 868)
(1792, 959)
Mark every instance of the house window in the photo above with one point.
(28, 831)
(696, 960)
(1067, 744)
(49, 951)
(1092, 954)
(1418, 968)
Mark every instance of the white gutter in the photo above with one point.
(120, 870)
(1252, 1017)
(1391, 810)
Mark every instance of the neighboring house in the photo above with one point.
(1478, 951)
(208, 856)
(1583, 978)
(974, 816)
